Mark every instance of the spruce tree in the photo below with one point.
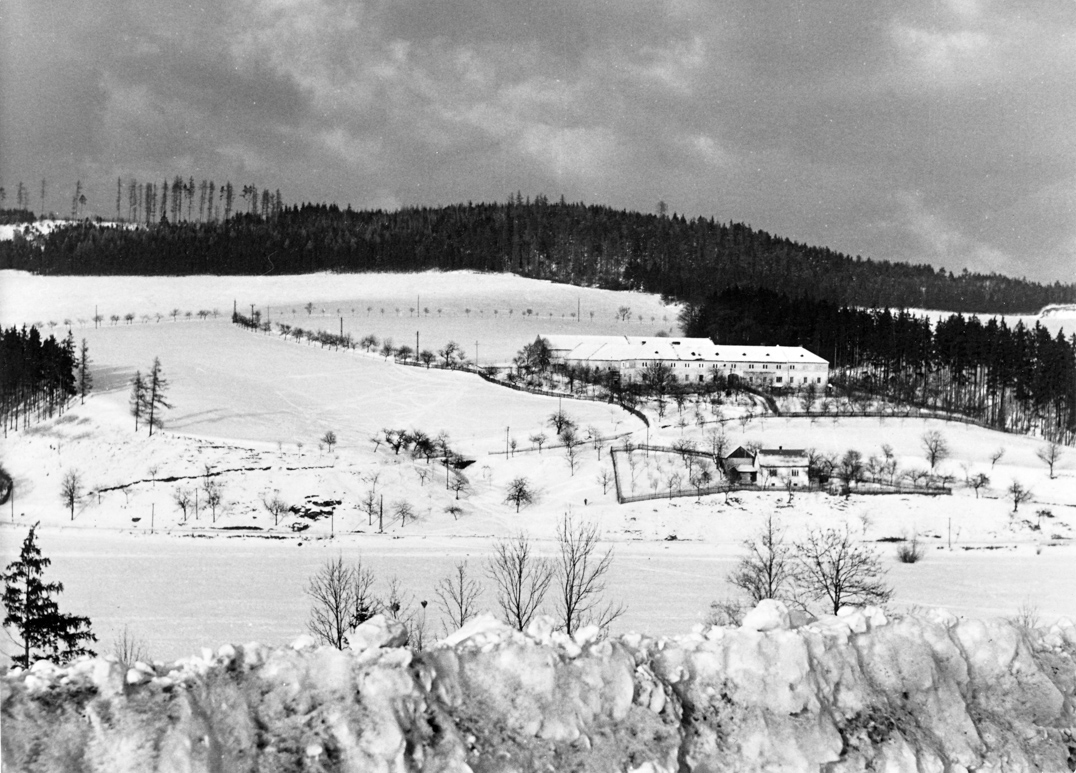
(138, 397)
(85, 378)
(155, 396)
(31, 609)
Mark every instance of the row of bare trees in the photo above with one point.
(829, 569)
(571, 584)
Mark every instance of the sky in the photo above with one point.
(925, 131)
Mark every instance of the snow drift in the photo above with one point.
(926, 692)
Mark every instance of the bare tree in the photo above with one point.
(979, 481)
(582, 575)
(538, 438)
(718, 442)
(1018, 494)
(833, 569)
(521, 580)
(341, 599)
(182, 497)
(214, 493)
(559, 420)
(457, 595)
(1049, 455)
(129, 649)
(605, 477)
(701, 477)
(572, 443)
(768, 571)
(935, 448)
(399, 606)
(329, 439)
(458, 483)
(403, 510)
(519, 492)
(71, 490)
(275, 505)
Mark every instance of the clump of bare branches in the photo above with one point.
(768, 571)
(457, 596)
(582, 577)
(341, 599)
(521, 580)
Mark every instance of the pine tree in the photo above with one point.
(31, 609)
(138, 396)
(155, 396)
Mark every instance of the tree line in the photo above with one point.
(38, 376)
(680, 258)
(1013, 378)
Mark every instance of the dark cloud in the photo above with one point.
(926, 131)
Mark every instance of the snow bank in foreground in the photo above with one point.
(849, 693)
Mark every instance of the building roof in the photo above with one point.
(782, 457)
(620, 348)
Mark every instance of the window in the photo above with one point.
(778, 367)
(795, 473)
(818, 380)
(778, 379)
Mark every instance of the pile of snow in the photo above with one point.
(854, 692)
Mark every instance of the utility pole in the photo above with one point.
(416, 345)
(381, 516)
(506, 440)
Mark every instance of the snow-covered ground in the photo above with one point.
(243, 402)
(864, 690)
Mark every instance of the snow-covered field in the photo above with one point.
(243, 402)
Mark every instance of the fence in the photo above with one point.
(867, 489)
(548, 393)
(554, 446)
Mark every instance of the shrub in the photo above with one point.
(910, 551)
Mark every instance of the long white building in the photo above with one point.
(692, 360)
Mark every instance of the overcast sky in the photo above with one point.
(937, 131)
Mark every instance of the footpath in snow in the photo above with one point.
(855, 692)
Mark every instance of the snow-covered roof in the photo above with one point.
(619, 348)
(782, 457)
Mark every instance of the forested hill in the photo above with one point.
(587, 245)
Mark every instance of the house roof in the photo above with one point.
(619, 348)
(782, 457)
(740, 453)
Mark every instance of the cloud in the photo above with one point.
(810, 120)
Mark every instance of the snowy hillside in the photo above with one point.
(861, 691)
(249, 410)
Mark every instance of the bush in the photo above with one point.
(910, 551)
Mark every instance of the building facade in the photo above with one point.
(692, 360)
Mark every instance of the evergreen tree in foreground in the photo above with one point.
(31, 609)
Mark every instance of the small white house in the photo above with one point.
(768, 467)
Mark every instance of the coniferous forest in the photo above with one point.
(683, 259)
(37, 376)
(1017, 379)
(838, 306)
